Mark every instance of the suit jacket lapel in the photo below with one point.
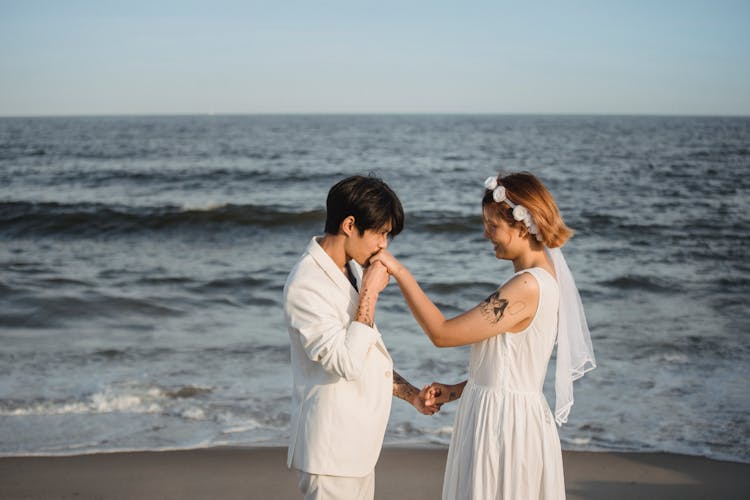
(334, 273)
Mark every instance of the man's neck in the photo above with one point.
(333, 245)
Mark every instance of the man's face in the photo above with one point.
(362, 247)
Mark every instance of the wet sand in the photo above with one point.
(401, 473)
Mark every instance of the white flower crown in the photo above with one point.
(519, 212)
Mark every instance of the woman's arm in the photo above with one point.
(509, 309)
(438, 394)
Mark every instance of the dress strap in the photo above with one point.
(539, 273)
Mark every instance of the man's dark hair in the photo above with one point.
(369, 200)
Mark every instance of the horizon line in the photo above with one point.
(375, 113)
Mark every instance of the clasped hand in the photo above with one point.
(431, 398)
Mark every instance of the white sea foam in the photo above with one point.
(144, 400)
(194, 413)
(202, 207)
(98, 403)
(673, 357)
(446, 431)
(580, 441)
(249, 425)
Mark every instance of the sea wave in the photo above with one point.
(443, 222)
(642, 282)
(92, 175)
(22, 218)
(40, 310)
(38, 219)
(131, 399)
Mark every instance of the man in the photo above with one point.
(343, 374)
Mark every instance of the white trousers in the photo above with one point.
(318, 487)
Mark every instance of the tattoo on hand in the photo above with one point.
(493, 307)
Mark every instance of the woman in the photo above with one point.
(505, 443)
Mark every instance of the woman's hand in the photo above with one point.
(389, 261)
(438, 394)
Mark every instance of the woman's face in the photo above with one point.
(499, 233)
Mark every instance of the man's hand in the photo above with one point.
(375, 278)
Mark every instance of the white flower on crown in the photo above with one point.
(490, 183)
(534, 229)
(521, 214)
(498, 194)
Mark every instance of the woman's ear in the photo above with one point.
(347, 225)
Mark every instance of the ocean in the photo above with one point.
(142, 261)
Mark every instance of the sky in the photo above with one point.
(103, 57)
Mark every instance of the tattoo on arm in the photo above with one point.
(363, 311)
(402, 388)
(493, 307)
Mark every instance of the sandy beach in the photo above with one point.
(401, 473)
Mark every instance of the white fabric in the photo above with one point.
(319, 487)
(342, 372)
(505, 443)
(575, 354)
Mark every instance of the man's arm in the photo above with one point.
(368, 298)
(374, 280)
(402, 389)
(340, 349)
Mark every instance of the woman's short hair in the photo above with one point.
(369, 200)
(523, 188)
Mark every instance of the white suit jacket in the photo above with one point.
(343, 374)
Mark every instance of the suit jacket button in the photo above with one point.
(388, 373)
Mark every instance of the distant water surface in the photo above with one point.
(142, 261)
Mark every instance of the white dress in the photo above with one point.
(505, 443)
